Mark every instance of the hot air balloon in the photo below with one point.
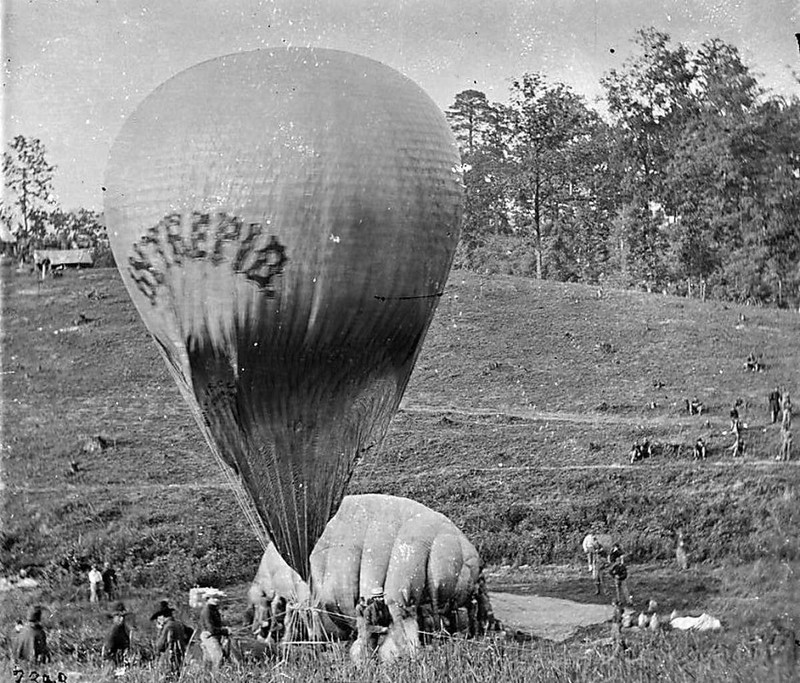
(284, 221)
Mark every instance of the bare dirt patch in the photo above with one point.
(551, 618)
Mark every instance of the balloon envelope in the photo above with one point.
(284, 221)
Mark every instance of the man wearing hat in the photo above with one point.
(377, 619)
(118, 639)
(162, 611)
(173, 638)
(30, 644)
(109, 580)
(212, 630)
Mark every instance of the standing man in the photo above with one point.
(597, 567)
(735, 413)
(95, 579)
(620, 574)
(484, 613)
(775, 404)
(30, 644)
(786, 407)
(700, 449)
(377, 619)
(738, 445)
(109, 581)
(786, 445)
(118, 638)
(212, 631)
(173, 639)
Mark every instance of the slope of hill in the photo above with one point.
(516, 423)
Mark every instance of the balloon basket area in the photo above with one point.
(303, 625)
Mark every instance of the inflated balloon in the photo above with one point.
(418, 556)
(285, 221)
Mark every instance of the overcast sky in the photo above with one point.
(75, 69)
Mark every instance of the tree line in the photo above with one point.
(688, 182)
(31, 214)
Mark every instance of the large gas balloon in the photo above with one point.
(285, 221)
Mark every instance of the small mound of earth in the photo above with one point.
(551, 618)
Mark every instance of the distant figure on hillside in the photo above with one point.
(786, 408)
(30, 644)
(699, 452)
(753, 363)
(616, 554)
(594, 547)
(738, 445)
(734, 414)
(109, 581)
(640, 451)
(694, 407)
(95, 579)
(597, 575)
(118, 639)
(786, 445)
(619, 572)
(681, 556)
(775, 404)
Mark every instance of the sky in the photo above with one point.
(74, 70)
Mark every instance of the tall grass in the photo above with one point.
(661, 657)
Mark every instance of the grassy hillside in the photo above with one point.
(517, 423)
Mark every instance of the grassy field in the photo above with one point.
(516, 424)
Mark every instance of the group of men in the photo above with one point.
(780, 407)
(611, 558)
(102, 583)
(171, 643)
(374, 619)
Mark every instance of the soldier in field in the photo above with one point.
(699, 452)
(786, 445)
(738, 446)
(775, 404)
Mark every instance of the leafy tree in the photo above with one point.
(481, 129)
(28, 195)
(81, 229)
(649, 100)
(549, 169)
(470, 116)
(714, 179)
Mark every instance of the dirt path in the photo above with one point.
(531, 414)
(551, 618)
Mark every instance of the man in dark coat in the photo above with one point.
(118, 639)
(700, 449)
(775, 404)
(619, 572)
(212, 631)
(173, 639)
(109, 581)
(30, 644)
(377, 618)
